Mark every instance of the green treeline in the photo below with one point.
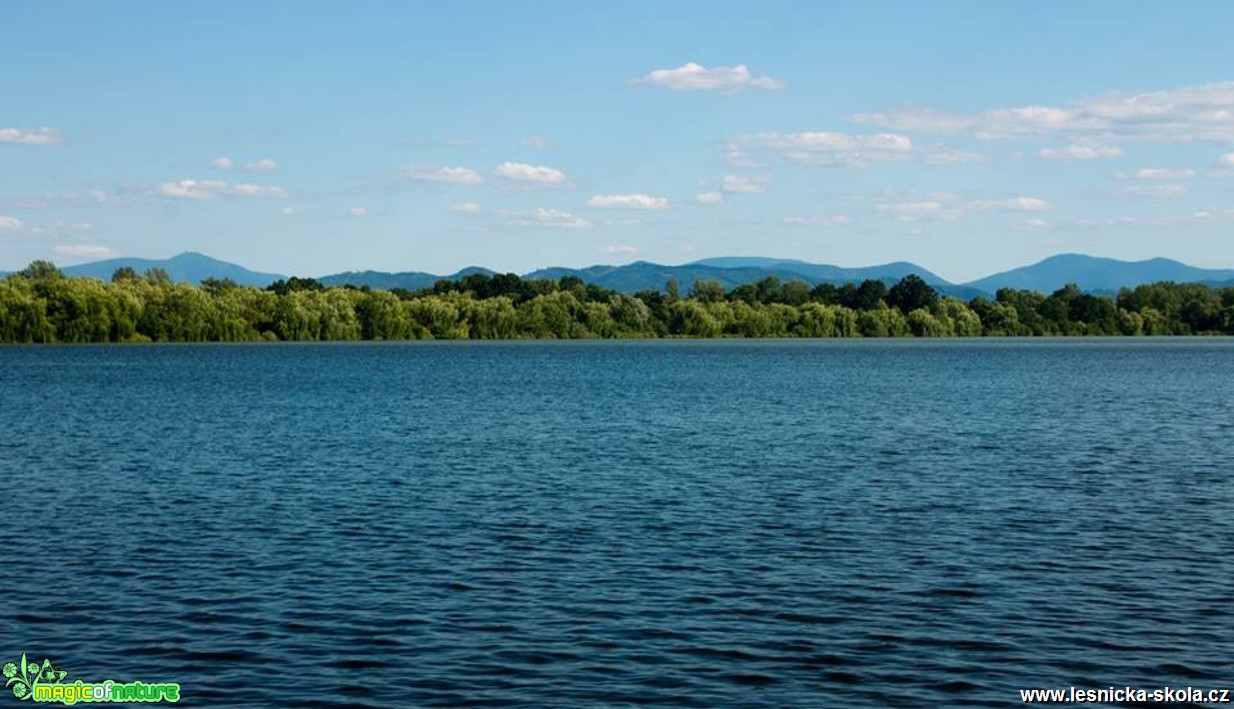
(39, 304)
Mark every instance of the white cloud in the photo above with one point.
(538, 142)
(627, 201)
(40, 136)
(833, 220)
(251, 190)
(919, 211)
(222, 163)
(1226, 160)
(85, 251)
(1015, 204)
(830, 148)
(735, 155)
(1157, 173)
(357, 212)
(710, 198)
(743, 184)
(619, 249)
(1154, 191)
(192, 189)
(288, 211)
(552, 218)
(126, 194)
(997, 123)
(1183, 114)
(456, 175)
(1081, 152)
(696, 77)
(209, 189)
(467, 208)
(1036, 224)
(946, 206)
(262, 165)
(9, 222)
(1107, 222)
(530, 173)
(943, 155)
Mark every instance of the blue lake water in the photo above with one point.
(733, 523)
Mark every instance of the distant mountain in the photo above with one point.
(642, 275)
(410, 280)
(731, 272)
(1100, 275)
(1097, 274)
(188, 267)
(819, 272)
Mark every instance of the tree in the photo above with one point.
(670, 289)
(866, 296)
(911, 293)
(40, 271)
(707, 291)
(124, 274)
(158, 276)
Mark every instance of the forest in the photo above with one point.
(41, 305)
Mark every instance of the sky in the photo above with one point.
(315, 137)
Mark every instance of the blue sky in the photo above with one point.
(312, 137)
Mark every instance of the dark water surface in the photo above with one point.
(570, 524)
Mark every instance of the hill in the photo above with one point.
(1097, 274)
(409, 280)
(188, 267)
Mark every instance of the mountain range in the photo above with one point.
(1091, 273)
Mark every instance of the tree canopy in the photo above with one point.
(39, 304)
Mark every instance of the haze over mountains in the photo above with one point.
(1089, 272)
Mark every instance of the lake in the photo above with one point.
(690, 523)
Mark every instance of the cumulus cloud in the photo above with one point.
(552, 218)
(945, 206)
(696, 77)
(1157, 173)
(9, 222)
(357, 212)
(288, 211)
(619, 249)
(456, 175)
(1107, 222)
(710, 198)
(1036, 224)
(831, 148)
(222, 163)
(919, 211)
(203, 190)
(627, 201)
(39, 136)
(262, 165)
(522, 172)
(538, 142)
(1226, 160)
(1154, 191)
(1015, 204)
(1081, 152)
(829, 221)
(743, 184)
(943, 155)
(467, 208)
(1183, 114)
(997, 123)
(85, 251)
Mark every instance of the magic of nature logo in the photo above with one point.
(47, 684)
